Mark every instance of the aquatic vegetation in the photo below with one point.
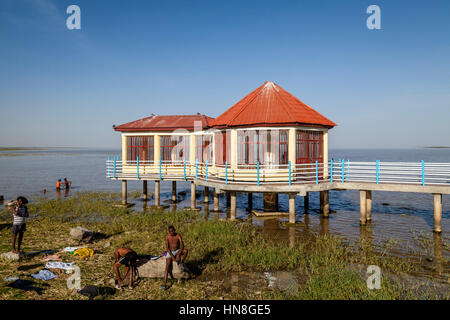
(332, 268)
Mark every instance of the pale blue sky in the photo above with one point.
(384, 88)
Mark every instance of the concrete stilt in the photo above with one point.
(144, 190)
(157, 193)
(362, 205)
(206, 198)
(250, 201)
(124, 192)
(216, 201)
(227, 194)
(437, 212)
(174, 191)
(233, 205)
(306, 202)
(324, 203)
(369, 205)
(270, 201)
(291, 207)
(192, 195)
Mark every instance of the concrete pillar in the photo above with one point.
(124, 192)
(306, 202)
(369, 205)
(216, 201)
(124, 148)
(156, 149)
(362, 205)
(437, 212)
(157, 192)
(174, 191)
(144, 190)
(250, 201)
(324, 203)
(233, 205)
(192, 195)
(270, 201)
(291, 207)
(206, 198)
(228, 196)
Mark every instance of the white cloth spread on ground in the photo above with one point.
(70, 249)
(60, 265)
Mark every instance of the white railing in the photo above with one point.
(419, 173)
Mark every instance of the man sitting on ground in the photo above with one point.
(126, 257)
(175, 249)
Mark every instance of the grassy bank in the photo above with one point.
(328, 267)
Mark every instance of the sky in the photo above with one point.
(387, 88)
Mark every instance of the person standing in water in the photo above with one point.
(20, 212)
(58, 184)
(67, 183)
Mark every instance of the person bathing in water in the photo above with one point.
(58, 184)
(67, 183)
(20, 212)
(126, 257)
(175, 249)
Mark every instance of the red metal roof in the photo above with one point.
(270, 105)
(165, 123)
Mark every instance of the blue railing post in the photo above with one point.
(331, 171)
(137, 167)
(377, 168)
(257, 170)
(342, 170)
(206, 170)
(184, 169)
(290, 173)
(317, 172)
(226, 172)
(196, 169)
(423, 173)
(114, 167)
(160, 175)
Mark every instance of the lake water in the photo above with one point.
(405, 217)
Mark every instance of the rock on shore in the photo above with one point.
(155, 269)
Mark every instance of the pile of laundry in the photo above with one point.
(82, 252)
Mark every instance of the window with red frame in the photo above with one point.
(309, 146)
(174, 148)
(268, 147)
(140, 146)
(203, 148)
(222, 148)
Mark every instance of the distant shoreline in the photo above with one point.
(437, 147)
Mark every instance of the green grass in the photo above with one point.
(331, 268)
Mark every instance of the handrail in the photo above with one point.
(344, 171)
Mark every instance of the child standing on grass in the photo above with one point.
(20, 212)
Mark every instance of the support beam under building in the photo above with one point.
(369, 205)
(206, 198)
(144, 190)
(250, 201)
(157, 193)
(362, 206)
(306, 202)
(437, 212)
(233, 205)
(291, 207)
(124, 192)
(193, 195)
(174, 191)
(324, 203)
(228, 196)
(216, 201)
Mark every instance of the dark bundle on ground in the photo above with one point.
(92, 291)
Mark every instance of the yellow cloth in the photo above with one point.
(84, 253)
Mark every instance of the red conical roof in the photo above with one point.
(270, 105)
